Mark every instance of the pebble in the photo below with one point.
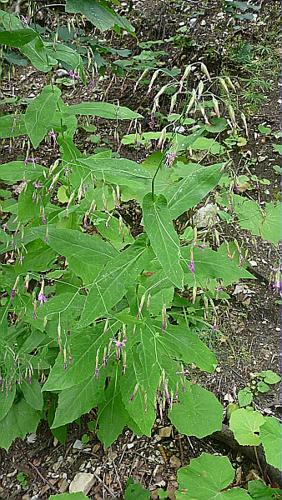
(77, 445)
(83, 481)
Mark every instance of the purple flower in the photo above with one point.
(31, 160)
(74, 75)
(169, 159)
(13, 293)
(119, 346)
(25, 20)
(37, 185)
(42, 298)
(191, 266)
(53, 136)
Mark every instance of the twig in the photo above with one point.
(104, 485)
(43, 478)
(118, 479)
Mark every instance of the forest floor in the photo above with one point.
(248, 334)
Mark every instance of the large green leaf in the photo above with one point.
(18, 171)
(184, 344)
(245, 425)
(259, 491)
(11, 126)
(76, 401)
(140, 381)
(32, 393)
(17, 38)
(111, 283)
(207, 478)
(40, 112)
(99, 13)
(6, 401)
(83, 348)
(192, 189)
(198, 413)
(116, 171)
(264, 222)
(66, 54)
(34, 50)
(163, 237)
(271, 438)
(102, 109)
(20, 420)
(135, 491)
(112, 415)
(213, 265)
(86, 254)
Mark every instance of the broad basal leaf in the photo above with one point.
(163, 237)
(264, 222)
(80, 364)
(98, 13)
(245, 425)
(207, 478)
(112, 415)
(86, 254)
(40, 112)
(213, 265)
(76, 401)
(17, 171)
(184, 344)
(6, 401)
(17, 38)
(102, 109)
(139, 383)
(260, 491)
(111, 283)
(11, 126)
(192, 189)
(32, 393)
(198, 413)
(271, 438)
(20, 420)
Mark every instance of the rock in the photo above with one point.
(63, 485)
(206, 216)
(77, 445)
(83, 481)
(165, 432)
(175, 462)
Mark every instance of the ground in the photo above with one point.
(249, 328)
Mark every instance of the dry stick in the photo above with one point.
(104, 485)
(43, 478)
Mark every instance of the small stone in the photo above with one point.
(31, 438)
(63, 485)
(77, 445)
(83, 481)
(206, 216)
(130, 445)
(165, 432)
(253, 263)
(175, 462)
(56, 466)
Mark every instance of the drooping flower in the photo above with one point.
(191, 266)
(120, 344)
(74, 75)
(169, 159)
(53, 136)
(42, 298)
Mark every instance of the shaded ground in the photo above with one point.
(249, 329)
